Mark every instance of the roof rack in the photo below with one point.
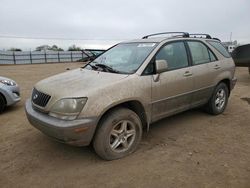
(184, 34)
(217, 39)
(200, 35)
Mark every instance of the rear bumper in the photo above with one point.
(78, 132)
(233, 83)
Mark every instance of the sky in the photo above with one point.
(100, 24)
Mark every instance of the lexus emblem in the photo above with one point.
(35, 97)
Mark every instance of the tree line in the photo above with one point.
(50, 48)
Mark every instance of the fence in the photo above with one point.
(35, 57)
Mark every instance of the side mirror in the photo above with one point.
(161, 65)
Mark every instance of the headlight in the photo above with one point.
(8, 82)
(68, 109)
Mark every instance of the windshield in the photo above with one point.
(123, 58)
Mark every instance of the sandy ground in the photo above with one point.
(192, 149)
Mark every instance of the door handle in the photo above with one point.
(216, 67)
(187, 73)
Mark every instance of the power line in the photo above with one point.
(57, 38)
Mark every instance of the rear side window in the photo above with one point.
(199, 52)
(218, 46)
(175, 54)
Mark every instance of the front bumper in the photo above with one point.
(77, 132)
(11, 94)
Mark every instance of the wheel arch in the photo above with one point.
(134, 105)
(228, 84)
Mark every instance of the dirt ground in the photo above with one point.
(192, 149)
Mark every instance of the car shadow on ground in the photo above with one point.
(12, 109)
(173, 127)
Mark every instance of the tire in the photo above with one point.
(218, 102)
(2, 103)
(118, 135)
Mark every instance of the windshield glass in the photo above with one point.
(123, 58)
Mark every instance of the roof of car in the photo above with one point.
(155, 39)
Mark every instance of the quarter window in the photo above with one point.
(218, 46)
(175, 54)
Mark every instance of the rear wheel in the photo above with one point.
(118, 135)
(219, 99)
(2, 103)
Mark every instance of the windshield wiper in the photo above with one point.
(106, 67)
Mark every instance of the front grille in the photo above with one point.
(39, 98)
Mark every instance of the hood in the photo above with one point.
(4, 78)
(77, 83)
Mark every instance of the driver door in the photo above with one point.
(172, 90)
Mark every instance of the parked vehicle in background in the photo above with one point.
(9, 93)
(241, 56)
(90, 54)
(128, 87)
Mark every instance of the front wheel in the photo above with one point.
(219, 99)
(118, 135)
(2, 103)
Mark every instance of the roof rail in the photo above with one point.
(217, 39)
(184, 34)
(199, 34)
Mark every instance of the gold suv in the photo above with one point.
(109, 100)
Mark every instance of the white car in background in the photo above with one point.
(9, 93)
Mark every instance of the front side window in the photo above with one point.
(123, 58)
(175, 54)
(219, 47)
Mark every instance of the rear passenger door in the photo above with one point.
(204, 68)
(172, 92)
